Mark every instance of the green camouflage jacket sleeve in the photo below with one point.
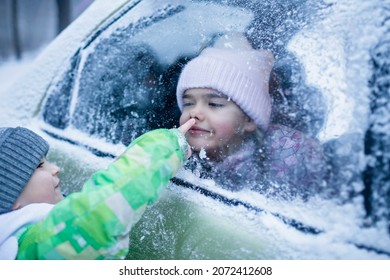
(95, 223)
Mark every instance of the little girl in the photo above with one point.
(227, 92)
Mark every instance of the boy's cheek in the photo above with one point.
(59, 195)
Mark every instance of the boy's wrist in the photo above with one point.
(181, 139)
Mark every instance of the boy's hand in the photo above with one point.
(184, 128)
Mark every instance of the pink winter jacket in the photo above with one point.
(288, 164)
(294, 161)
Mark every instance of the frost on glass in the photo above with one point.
(352, 74)
(56, 109)
(120, 87)
(295, 103)
(123, 83)
(377, 149)
(117, 91)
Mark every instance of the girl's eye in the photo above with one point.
(41, 164)
(215, 104)
(186, 104)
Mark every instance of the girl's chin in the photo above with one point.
(206, 153)
(199, 145)
(199, 149)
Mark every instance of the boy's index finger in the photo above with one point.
(186, 126)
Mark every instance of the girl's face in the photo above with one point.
(43, 186)
(221, 126)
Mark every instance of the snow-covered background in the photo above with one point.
(13, 70)
(35, 23)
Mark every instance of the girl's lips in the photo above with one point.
(198, 131)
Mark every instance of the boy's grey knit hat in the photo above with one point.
(21, 151)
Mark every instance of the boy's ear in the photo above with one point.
(250, 125)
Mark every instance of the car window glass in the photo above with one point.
(117, 85)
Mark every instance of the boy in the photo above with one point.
(38, 223)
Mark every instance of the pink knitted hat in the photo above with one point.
(242, 75)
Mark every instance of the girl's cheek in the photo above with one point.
(226, 131)
(182, 119)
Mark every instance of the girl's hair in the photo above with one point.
(294, 103)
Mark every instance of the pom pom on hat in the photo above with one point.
(239, 73)
(21, 151)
